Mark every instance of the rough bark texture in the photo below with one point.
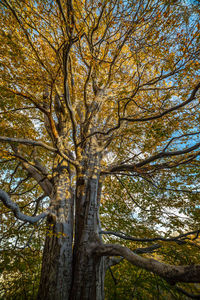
(56, 266)
(77, 275)
(88, 270)
(57, 255)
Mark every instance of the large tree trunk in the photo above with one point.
(55, 282)
(88, 270)
(56, 271)
(81, 275)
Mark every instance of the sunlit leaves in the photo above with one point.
(74, 78)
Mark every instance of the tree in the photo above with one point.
(92, 92)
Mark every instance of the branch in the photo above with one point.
(26, 33)
(179, 137)
(135, 239)
(113, 277)
(66, 51)
(28, 97)
(16, 109)
(152, 158)
(112, 261)
(171, 273)
(192, 296)
(167, 154)
(34, 172)
(15, 208)
(61, 11)
(176, 107)
(149, 249)
(135, 202)
(27, 142)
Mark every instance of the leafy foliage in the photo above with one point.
(117, 80)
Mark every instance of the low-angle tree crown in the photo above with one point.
(100, 139)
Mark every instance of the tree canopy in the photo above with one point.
(104, 93)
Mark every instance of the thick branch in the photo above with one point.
(66, 51)
(149, 249)
(35, 172)
(27, 142)
(15, 208)
(173, 274)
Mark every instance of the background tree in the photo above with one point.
(95, 95)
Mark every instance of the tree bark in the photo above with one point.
(56, 270)
(88, 269)
(55, 282)
(72, 271)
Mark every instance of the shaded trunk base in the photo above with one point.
(61, 281)
(55, 282)
(88, 279)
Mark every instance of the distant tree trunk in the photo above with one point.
(81, 275)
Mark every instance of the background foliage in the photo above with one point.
(157, 66)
